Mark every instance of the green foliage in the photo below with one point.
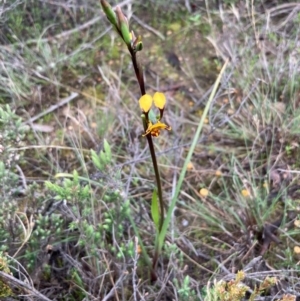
(199, 22)
(79, 216)
(27, 20)
(71, 190)
(195, 19)
(12, 134)
(77, 279)
(5, 290)
(184, 290)
(103, 159)
(155, 209)
(95, 230)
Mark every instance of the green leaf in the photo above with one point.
(103, 158)
(167, 219)
(154, 209)
(96, 160)
(75, 177)
(107, 150)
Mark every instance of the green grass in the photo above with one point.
(69, 225)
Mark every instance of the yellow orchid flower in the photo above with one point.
(146, 103)
(159, 100)
(154, 129)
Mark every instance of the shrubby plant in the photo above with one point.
(236, 289)
(184, 291)
(5, 290)
(12, 134)
(100, 217)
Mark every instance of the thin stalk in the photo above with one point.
(120, 23)
(138, 71)
(158, 181)
(140, 77)
(157, 174)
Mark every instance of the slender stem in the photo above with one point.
(140, 78)
(118, 20)
(138, 71)
(158, 181)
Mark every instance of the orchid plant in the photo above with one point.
(152, 124)
(152, 127)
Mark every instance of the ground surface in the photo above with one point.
(69, 235)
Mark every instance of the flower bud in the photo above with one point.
(138, 44)
(123, 26)
(110, 14)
